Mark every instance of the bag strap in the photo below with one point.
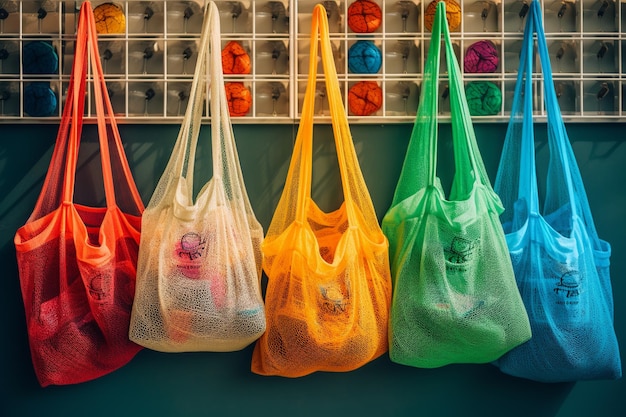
(52, 194)
(420, 168)
(208, 82)
(522, 108)
(560, 148)
(356, 194)
(108, 129)
(87, 50)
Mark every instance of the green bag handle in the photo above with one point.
(420, 167)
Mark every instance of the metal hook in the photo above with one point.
(275, 97)
(604, 90)
(602, 9)
(524, 10)
(603, 49)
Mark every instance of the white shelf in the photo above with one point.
(591, 48)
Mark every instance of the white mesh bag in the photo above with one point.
(199, 266)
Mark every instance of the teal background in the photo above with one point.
(221, 384)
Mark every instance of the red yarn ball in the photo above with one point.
(239, 99)
(235, 59)
(364, 16)
(365, 98)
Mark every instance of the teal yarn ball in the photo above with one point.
(39, 57)
(39, 100)
(364, 57)
(484, 98)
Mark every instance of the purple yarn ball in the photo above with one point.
(481, 57)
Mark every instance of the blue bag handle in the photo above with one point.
(557, 135)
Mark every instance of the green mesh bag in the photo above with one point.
(455, 299)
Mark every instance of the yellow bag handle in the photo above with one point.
(356, 195)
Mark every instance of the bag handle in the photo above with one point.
(557, 135)
(522, 109)
(356, 194)
(469, 166)
(107, 124)
(226, 165)
(106, 118)
(420, 168)
(53, 190)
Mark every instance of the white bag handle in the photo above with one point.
(208, 81)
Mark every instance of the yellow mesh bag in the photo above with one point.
(199, 263)
(329, 286)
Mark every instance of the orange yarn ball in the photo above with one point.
(239, 99)
(365, 98)
(235, 59)
(364, 16)
(453, 14)
(109, 18)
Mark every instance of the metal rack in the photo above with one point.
(150, 65)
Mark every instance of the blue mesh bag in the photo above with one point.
(561, 265)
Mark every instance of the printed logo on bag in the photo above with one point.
(335, 298)
(568, 288)
(570, 299)
(460, 252)
(96, 287)
(189, 252)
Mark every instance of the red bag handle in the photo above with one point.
(65, 155)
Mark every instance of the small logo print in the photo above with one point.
(189, 251)
(460, 252)
(333, 299)
(96, 287)
(191, 246)
(568, 285)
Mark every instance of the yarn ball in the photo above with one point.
(235, 59)
(453, 14)
(239, 98)
(364, 58)
(365, 98)
(39, 100)
(484, 98)
(39, 57)
(109, 18)
(481, 57)
(364, 16)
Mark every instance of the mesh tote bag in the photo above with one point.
(77, 263)
(561, 266)
(199, 267)
(455, 299)
(329, 284)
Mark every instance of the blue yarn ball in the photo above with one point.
(39, 57)
(39, 100)
(364, 57)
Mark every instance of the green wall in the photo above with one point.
(221, 384)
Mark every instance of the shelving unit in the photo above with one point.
(149, 66)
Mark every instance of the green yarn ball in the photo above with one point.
(484, 98)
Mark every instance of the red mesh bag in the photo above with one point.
(76, 263)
